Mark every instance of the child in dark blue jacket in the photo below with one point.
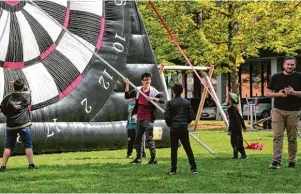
(131, 130)
(131, 127)
(236, 123)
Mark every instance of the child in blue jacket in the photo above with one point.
(131, 129)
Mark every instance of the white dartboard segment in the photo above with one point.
(48, 24)
(1, 84)
(60, 2)
(30, 45)
(90, 6)
(75, 52)
(40, 83)
(4, 33)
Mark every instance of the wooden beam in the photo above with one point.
(180, 67)
(163, 81)
(204, 94)
(162, 65)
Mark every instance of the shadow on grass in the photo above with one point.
(217, 174)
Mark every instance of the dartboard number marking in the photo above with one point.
(87, 109)
(120, 2)
(18, 138)
(117, 45)
(48, 129)
(102, 81)
(119, 37)
(57, 128)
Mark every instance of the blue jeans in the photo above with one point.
(25, 135)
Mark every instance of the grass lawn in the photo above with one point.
(109, 171)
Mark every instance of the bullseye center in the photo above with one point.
(12, 2)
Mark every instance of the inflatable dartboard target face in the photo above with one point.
(67, 82)
(57, 68)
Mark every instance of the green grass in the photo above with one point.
(109, 171)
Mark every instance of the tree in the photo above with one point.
(223, 33)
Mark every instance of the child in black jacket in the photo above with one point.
(178, 114)
(236, 123)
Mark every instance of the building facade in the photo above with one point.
(254, 76)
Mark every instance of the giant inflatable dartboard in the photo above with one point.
(77, 100)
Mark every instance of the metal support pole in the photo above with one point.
(162, 66)
(203, 98)
(204, 145)
(251, 116)
(248, 107)
(218, 104)
(255, 116)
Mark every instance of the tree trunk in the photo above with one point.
(235, 87)
(234, 81)
(232, 58)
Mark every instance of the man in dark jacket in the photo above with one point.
(15, 107)
(178, 115)
(146, 114)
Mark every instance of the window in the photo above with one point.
(256, 79)
(245, 81)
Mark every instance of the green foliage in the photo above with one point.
(109, 171)
(223, 33)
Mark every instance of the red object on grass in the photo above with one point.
(253, 146)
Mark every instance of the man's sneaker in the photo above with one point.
(291, 165)
(171, 172)
(195, 172)
(136, 161)
(129, 156)
(2, 169)
(153, 161)
(235, 157)
(32, 167)
(275, 165)
(244, 157)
